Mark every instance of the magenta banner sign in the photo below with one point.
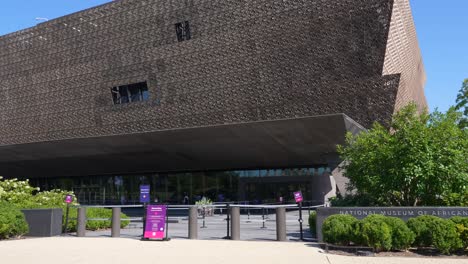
(298, 197)
(155, 221)
(144, 193)
(68, 199)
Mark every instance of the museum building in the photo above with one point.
(234, 100)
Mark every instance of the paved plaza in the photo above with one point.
(73, 250)
(257, 246)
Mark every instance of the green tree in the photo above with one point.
(462, 104)
(420, 160)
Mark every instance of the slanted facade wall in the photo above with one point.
(246, 60)
(404, 56)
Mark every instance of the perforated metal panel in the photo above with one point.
(403, 57)
(247, 60)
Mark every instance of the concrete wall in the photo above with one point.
(404, 213)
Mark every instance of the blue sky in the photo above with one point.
(441, 26)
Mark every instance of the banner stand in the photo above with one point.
(144, 221)
(156, 224)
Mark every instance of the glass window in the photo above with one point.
(123, 92)
(183, 31)
(321, 170)
(135, 93)
(253, 173)
(145, 93)
(312, 171)
(116, 95)
(130, 93)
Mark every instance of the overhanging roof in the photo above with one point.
(279, 143)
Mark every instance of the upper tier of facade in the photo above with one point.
(204, 63)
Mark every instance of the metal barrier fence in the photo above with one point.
(232, 212)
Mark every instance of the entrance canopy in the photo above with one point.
(265, 144)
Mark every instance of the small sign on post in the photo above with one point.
(68, 201)
(298, 197)
(144, 193)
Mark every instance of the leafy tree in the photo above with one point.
(420, 160)
(462, 104)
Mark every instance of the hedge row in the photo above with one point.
(390, 233)
(12, 221)
(93, 225)
(313, 223)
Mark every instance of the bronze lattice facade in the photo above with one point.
(209, 66)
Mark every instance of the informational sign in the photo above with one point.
(68, 198)
(155, 225)
(144, 193)
(404, 213)
(298, 197)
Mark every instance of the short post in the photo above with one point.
(263, 219)
(167, 238)
(144, 220)
(204, 215)
(228, 221)
(115, 232)
(81, 222)
(281, 224)
(193, 223)
(300, 222)
(67, 214)
(235, 223)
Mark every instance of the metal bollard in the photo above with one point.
(193, 223)
(235, 223)
(263, 219)
(116, 222)
(228, 221)
(281, 224)
(81, 222)
(204, 216)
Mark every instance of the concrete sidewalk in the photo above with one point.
(70, 250)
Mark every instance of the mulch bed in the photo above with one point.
(413, 252)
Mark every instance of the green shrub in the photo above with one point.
(402, 236)
(22, 195)
(421, 227)
(374, 232)
(461, 224)
(313, 223)
(437, 232)
(93, 225)
(53, 199)
(17, 193)
(12, 221)
(339, 229)
(446, 237)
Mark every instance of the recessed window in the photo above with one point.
(130, 93)
(183, 31)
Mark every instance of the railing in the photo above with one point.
(232, 211)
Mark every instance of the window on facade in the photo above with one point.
(130, 93)
(183, 31)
